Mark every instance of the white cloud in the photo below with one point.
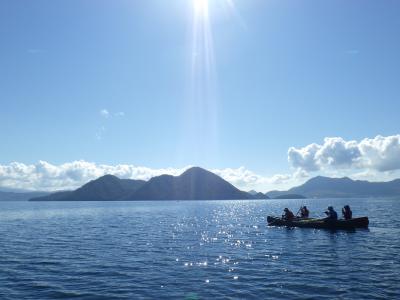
(381, 153)
(247, 180)
(46, 176)
(304, 158)
(105, 113)
(374, 159)
(378, 154)
(337, 152)
(49, 177)
(238, 177)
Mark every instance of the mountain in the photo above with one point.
(253, 192)
(326, 187)
(257, 195)
(194, 184)
(20, 196)
(106, 188)
(260, 195)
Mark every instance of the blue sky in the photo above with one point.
(286, 74)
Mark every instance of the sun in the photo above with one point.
(201, 7)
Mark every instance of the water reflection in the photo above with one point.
(193, 249)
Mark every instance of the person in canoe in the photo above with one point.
(287, 214)
(304, 212)
(347, 213)
(331, 214)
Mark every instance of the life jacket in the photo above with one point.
(289, 215)
(305, 213)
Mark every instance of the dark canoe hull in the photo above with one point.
(320, 223)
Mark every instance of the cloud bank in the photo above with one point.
(379, 154)
(48, 177)
(369, 159)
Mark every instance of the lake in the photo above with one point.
(195, 250)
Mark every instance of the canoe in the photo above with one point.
(320, 223)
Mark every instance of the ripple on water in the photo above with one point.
(193, 250)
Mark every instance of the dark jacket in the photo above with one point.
(305, 213)
(332, 214)
(347, 213)
(288, 215)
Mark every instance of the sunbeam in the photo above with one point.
(201, 107)
(200, 7)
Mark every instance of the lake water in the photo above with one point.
(195, 250)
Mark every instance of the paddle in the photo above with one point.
(302, 205)
(299, 211)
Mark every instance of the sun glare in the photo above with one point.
(201, 111)
(201, 7)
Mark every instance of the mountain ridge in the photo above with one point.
(20, 196)
(193, 184)
(199, 184)
(344, 187)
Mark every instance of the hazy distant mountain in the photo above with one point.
(290, 196)
(15, 190)
(325, 187)
(258, 195)
(106, 188)
(194, 184)
(20, 196)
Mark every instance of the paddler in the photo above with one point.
(287, 214)
(331, 213)
(304, 212)
(347, 213)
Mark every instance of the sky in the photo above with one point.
(266, 93)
